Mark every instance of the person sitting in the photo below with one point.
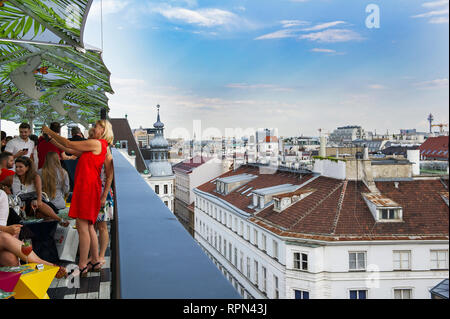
(55, 180)
(21, 145)
(6, 165)
(11, 246)
(26, 180)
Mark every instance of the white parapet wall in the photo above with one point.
(330, 168)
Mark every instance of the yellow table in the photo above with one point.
(34, 285)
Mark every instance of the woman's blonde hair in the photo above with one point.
(49, 173)
(108, 134)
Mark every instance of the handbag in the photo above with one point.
(25, 197)
(67, 240)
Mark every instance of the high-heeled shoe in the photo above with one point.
(95, 265)
(84, 271)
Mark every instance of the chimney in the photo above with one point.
(366, 152)
(323, 146)
(414, 157)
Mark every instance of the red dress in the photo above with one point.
(87, 188)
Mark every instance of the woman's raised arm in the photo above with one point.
(91, 145)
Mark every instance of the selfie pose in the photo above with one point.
(85, 204)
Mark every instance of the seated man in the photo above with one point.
(6, 172)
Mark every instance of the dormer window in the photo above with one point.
(382, 208)
(389, 214)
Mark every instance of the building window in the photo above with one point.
(241, 262)
(357, 260)
(256, 273)
(166, 189)
(358, 294)
(157, 189)
(402, 260)
(263, 242)
(215, 212)
(248, 268)
(255, 237)
(402, 293)
(248, 233)
(167, 203)
(215, 240)
(235, 257)
(276, 293)
(241, 229)
(220, 243)
(275, 249)
(439, 259)
(301, 294)
(301, 261)
(388, 214)
(230, 251)
(264, 279)
(220, 216)
(235, 226)
(224, 247)
(230, 224)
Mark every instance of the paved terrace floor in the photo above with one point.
(97, 285)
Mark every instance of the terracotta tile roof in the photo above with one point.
(299, 191)
(189, 165)
(337, 210)
(435, 148)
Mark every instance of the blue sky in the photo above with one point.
(295, 65)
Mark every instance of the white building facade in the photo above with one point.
(263, 260)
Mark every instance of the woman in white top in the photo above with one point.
(14, 230)
(55, 180)
(27, 180)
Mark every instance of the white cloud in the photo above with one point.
(293, 23)
(439, 16)
(439, 20)
(433, 84)
(324, 26)
(431, 13)
(323, 50)
(435, 4)
(287, 33)
(332, 36)
(210, 17)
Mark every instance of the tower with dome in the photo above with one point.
(162, 178)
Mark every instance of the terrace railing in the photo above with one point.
(153, 256)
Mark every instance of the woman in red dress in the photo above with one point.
(85, 203)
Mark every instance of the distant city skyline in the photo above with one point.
(293, 65)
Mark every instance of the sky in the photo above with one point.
(292, 65)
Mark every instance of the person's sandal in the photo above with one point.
(84, 271)
(95, 265)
